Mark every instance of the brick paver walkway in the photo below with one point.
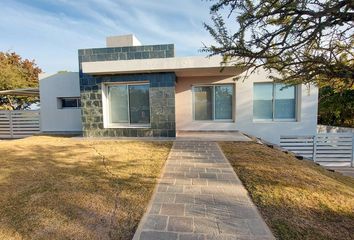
(200, 197)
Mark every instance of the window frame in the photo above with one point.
(296, 95)
(232, 119)
(60, 102)
(106, 106)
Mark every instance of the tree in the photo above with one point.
(303, 41)
(15, 73)
(336, 108)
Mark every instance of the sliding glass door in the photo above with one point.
(223, 102)
(203, 103)
(139, 107)
(213, 102)
(129, 104)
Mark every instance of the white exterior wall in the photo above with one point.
(54, 119)
(243, 116)
(122, 41)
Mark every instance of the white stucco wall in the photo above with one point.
(54, 119)
(122, 41)
(243, 115)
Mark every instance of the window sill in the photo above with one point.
(213, 121)
(275, 121)
(128, 126)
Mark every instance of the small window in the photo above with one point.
(274, 102)
(213, 102)
(128, 104)
(69, 102)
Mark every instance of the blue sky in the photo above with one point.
(50, 32)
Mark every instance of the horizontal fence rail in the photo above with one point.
(300, 145)
(19, 123)
(328, 149)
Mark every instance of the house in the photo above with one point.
(133, 90)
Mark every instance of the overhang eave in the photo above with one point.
(183, 66)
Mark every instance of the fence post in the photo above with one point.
(352, 165)
(314, 147)
(11, 125)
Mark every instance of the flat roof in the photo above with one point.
(21, 92)
(182, 66)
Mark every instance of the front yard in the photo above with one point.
(298, 199)
(62, 188)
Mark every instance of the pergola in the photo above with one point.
(31, 92)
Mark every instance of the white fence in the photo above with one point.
(333, 129)
(19, 123)
(328, 149)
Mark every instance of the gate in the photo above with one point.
(19, 123)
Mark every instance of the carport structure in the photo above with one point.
(19, 123)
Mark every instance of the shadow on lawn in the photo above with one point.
(63, 191)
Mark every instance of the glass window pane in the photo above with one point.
(118, 104)
(284, 102)
(203, 108)
(139, 104)
(223, 101)
(262, 101)
(69, 103)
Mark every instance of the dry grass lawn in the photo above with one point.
(62, 188)
(298, 199)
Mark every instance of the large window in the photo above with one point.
(128, 104)
(274, 102)
(213, 102)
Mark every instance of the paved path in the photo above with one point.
(346, 171)
(200, 197)
(211, 136)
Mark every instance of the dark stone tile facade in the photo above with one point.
(162, 92)
(126, 53)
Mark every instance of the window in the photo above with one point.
(274, 102)
(213, 102)
(68, 102)
(128, 104)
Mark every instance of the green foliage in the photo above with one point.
(336, 108)
(15, 73)
(305, 41)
